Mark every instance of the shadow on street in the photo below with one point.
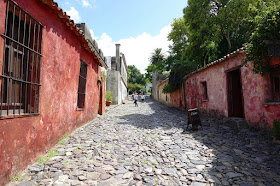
(247, 154)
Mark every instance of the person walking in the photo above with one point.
(132, 95)
(142, 97)
(135, 99)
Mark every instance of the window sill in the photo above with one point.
(271, 103)
(205, 100)
(80, 109)
(18, 116)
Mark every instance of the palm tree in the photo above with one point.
(157, 56)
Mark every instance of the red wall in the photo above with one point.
(255, 90)
(23, 139)
(173, 99)
(177, 99)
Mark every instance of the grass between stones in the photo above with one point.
(17, 177)
(50, 155)
(152, 136)
(62, 141)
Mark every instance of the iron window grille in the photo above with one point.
(20, 79)
(82, 85)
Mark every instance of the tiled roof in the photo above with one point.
(97, 53)
(218, 61)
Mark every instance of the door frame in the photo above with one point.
(230, 112)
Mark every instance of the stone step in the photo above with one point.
(235, 123)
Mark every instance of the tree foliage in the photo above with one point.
(136, 80)
(267, 33)
(135, 76)
(134, 87)
(216, 28)
(157, 56)
(209, 30)
(157, 63)
(179, 70)
(179, 37)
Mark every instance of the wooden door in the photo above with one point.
(235, 95)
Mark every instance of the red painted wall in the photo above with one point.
(23, 139)
(173, 99)
(255, 88)
(177, 99)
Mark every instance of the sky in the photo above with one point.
(140, 26)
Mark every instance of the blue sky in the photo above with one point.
(138, 25)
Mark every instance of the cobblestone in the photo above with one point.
(147, 145)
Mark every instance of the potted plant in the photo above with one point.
(108, 98)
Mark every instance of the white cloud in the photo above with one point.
(137, 50)
(74, 14)
(92, 34)
(86, 3)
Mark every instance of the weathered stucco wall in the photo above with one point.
(124, 92)
(174, 99)
(23, 139)
(177, 98)
(257, 106)
(113, 83)
(154, 87)
(163, 97)
(216, 78)
(255, 89)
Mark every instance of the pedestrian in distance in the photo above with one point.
(132, 95)
(142, 97)
(135, 100)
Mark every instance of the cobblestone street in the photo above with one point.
(145, 145)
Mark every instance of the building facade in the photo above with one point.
(227, 88)
(51, 82)
(116, 80)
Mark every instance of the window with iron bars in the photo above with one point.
(82, 86)
(20, 79)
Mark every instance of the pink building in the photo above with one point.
(227, 88)
(51, 82)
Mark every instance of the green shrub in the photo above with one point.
(134, 87)
(267, 31)
(276, 128)
(178, 71)
(108, 96)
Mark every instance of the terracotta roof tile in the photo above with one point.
(218, 61)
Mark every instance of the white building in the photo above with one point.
(116, 80)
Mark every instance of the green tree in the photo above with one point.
(157, 63)
(179, 37)
(157, 56)
(136, 80)
(135, 87)
(178, 71)
(231, 16)
(216, 28)
(150, 70)
(202, 33)
(135, 76)
(266, 33)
